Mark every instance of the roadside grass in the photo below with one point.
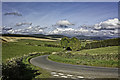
(19, 68)
(102, 57)
(40, 73)
(103, 50)
(21, 47)
(16, 57)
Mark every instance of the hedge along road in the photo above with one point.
(85, 71)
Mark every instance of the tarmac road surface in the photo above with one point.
(85, 71)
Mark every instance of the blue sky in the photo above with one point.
(60, 1)
(46, 14)
(40, 13)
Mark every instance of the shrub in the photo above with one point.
(15, 69)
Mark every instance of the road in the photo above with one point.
(86, 71)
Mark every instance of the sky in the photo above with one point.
(60, 1)
(48, 14)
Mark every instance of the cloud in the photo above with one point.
(28, 30)
(105, 28)
(69, 31)
(23, 23)
(64, 23)
(13, 13)
(110, 27)
(110, 24)
(5, 28)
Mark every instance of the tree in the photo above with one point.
(74, 44)
(65, 42)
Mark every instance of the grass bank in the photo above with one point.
(104, 57)
(40, 73)
(16, 56)
(24, 47)
(19, 68)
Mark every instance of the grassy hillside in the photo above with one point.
(14, 47)
(103, 50)
(82, 37)
(21, 47)
(52, 37)
(16, 53)
(13, 39)
(104, 57)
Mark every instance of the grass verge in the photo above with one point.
(91, 57)
(42, 73)
(20, 68)
(16, 56)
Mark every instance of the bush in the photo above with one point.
(21, 69)
(15, 69)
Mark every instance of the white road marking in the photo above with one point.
(53, 72)
(69, 75)
(64, 76)
(61, 74)
(80, 77)
(55, 75)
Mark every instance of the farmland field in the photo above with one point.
(104, 57)
(103, 50)
(21, 50)
(26, 46)
(13, 39)
(16, 48)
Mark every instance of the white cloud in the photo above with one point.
(110, 24)
(23, 23)
(106, 28)
(69, 31)
(63, 22)
(28, 30)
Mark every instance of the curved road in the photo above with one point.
(85, 71)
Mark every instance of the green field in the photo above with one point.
(21, 47)
(105, 57)
(16, 56)
(103, 50)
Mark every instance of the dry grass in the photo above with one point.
(14, 39)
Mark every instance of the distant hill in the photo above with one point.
(82, 37)
(53, 36)
(34, 35)
(93, 37)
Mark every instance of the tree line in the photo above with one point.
(74, 44)
(103, 43)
